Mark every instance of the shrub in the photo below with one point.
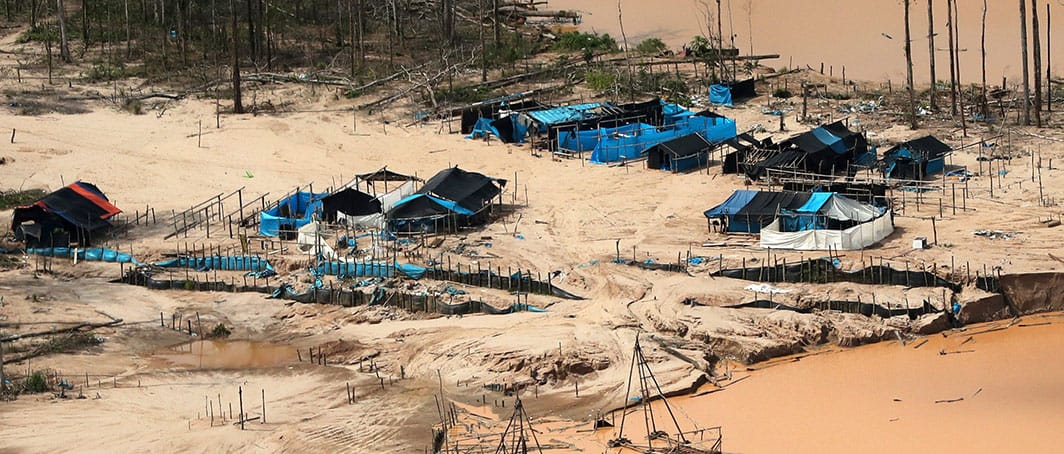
(574, 41)
(600, 81)
(219, 332)
(782, 93)
(36, 383)
(652, 46)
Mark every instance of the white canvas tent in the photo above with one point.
(859, 236)
(388, 201)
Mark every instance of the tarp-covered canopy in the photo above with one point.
(632, 144)
(290, 214)
(471, 190)
(385, 175)
(349, 201)
(71, 214)
(822, 150)
(828, 220)
(748, 211)
(915, 159)
(682, 153)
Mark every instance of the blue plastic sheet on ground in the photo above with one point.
(696, 260)
(518, 307)
(89, 254)
(450, 290)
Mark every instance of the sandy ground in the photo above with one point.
(581, 209)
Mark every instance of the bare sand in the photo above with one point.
(836, 32)
(575, 213)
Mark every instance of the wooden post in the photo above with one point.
(240, 395)
(263, 406)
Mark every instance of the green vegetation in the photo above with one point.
(782, 93)
(36, 383)
(18, 198)
(601, 81)
(577, 41)
(651, 46)
(219, 332)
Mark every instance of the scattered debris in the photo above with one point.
(949, 401)
(995, 234)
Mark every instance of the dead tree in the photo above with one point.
(982, 57)
(931, 50)
(1026, 68)
(909, 69)
(1037, 64)
(64, 48)
(238, 104)
(952, 60)
(957, 60)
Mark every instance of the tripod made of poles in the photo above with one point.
(515, 438)
(648, 389)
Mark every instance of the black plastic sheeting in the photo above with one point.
(335, 296)
(823, 271)
(852, 307)
(517, 282)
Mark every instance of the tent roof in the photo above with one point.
(927, 147)
(419, 206)
(350, 201)
(767, 204)
(562, 114)
(81, 204)
(735, 202)
(684, 145)
(385, 175)
(471, 190)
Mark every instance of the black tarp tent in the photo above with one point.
(470, 190)
(349, 201)
(915, 159)
(74, 213)
(679, 154)
(822, 150)
(763, 208)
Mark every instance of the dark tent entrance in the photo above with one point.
(349, 201)
(680, 154)
(916, 159)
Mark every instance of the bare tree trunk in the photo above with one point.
(483, 48)
(982, 57)
(238, 104)
(624, 39)
(909, 69)
(1026, 69)
(952, 60)
(352, 38)
(1049, 61)
(85, 23)
(251, 33)
(64, 49)
(1037, 64)
(495, 21)
(931, 51)
(361, 39)
(957, 61)
(129, 48)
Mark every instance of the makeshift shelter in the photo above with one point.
(726, 93)
(450, 199)
(74, 214)
(368, 219)
(350, 202)
(828, 221)
(682, 153)
(290, 214)
(822, 150)
(915, 159)
(631, 145)
(508, 129)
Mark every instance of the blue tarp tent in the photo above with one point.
(508, 129)
(720, 95)
(589, 139)
(292, 213)
(714, 129)
(564, 114)
(730, 207)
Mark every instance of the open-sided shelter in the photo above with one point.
(291, 213)
(682, 153)
(450, 199)
(915, 159)
(74, 214)
(828, 221)
(823, 150)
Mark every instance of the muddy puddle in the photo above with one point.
(224, 354)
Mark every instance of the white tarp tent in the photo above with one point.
(857, 237)
(313, 238)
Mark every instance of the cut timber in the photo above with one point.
(78, 327)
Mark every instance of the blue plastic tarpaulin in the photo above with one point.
(720, 94)
(219, 262)
(446, 204)
(90, 254)
(291, 213)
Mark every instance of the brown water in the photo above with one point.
(835, 32)
(223, 354)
